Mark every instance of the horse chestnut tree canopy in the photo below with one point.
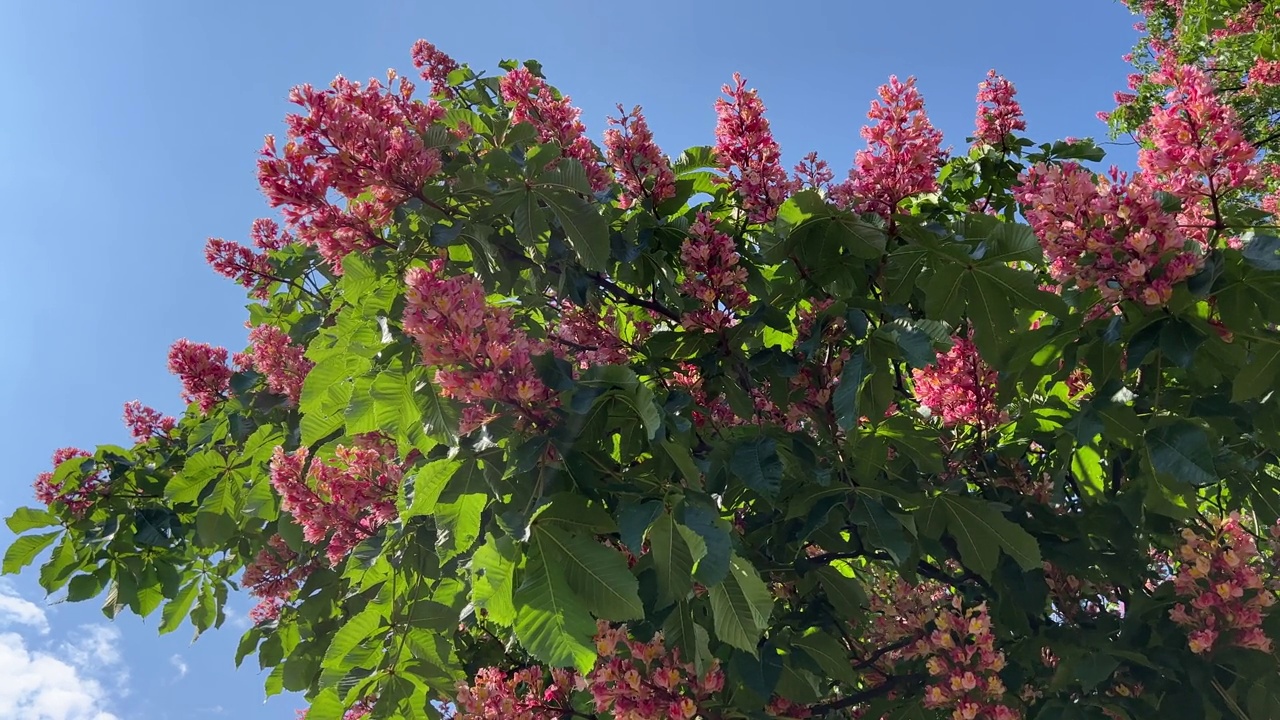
(534, 427)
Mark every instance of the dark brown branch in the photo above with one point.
(858, 698)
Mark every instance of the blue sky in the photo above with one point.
(131, 137)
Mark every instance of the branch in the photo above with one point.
(632, 299)
(870, 694)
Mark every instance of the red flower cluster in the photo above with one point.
(246, 267)
(272, 353)
(965, 666)
(1221, 577)
(481, 358)
(998, 113)
(631, 680)
(353, 140)
(555, 119)
(588, 336)
(203, 371)
(1265, 73)
(144, 422)
(902, 156)
(637, 161)
(79, 500)
(1193, 147)
(435, 67)
(748, 154)
(812, 173)
(713, 276)
(273, 576)
(960, 387)
(1106, 233)
(344, 499)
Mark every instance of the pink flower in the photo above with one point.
(435, 66)
(1106, 233)
(902, 157)
(998, 113)
(85, 491)
(1221, 573)
(589, 337)
(343, 500)
(273, 354)
(360, 142)
(273, 576)
(555, 119)
(237, 262)
(637, 161)
(203, 371)
(145, 423)
(481, 359)
(712, 276)
(748, 154)
(959, 387)
(812, 173)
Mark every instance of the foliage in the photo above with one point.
(531, 428)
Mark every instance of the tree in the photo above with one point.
(531, 428)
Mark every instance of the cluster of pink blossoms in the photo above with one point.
(631, 680)
(555, 119)
(1074, 598)
(273, 576)
(339, 501)
(902, 157)
(145, 423)
(965, 666)
(998, 113)
(713, 276)
(80, 499)
(354, 140)
(248, 268)
(480, 357)
(1105, 233)
(813, 173)
(960, 387)
(641, 168)
(434, 66)
(1264, 73)
(588, 336)
(748, 154)
(360, 711)
(272, 353)
(1221, 577)
(1193, 147)
(203, 371)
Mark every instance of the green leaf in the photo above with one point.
(493, 568)
(828, 653)
(26, 518)
(674, 551)
(587, 230)
(1262, 250)
(1258, 376)
(362, 626)
(551, 623)
(197, 472)
(845, 398)
(880, 529)
(740, 606)
(845, 593)
(756, 462)
(428, 484)
(691, 638)
(575, 512)
(1181, 451)
(706, 522)
(25, 549)
(177, 608)
(596, 574)
(981, 532)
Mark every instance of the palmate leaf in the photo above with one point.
(596, 574)
(981, 532)
(1181, 451)
(674, 549)
(551, 623)
(492, 569)
(740, 606)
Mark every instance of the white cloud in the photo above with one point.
(44, 683)
(17, 610)
(180, 665)
(37, 685)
